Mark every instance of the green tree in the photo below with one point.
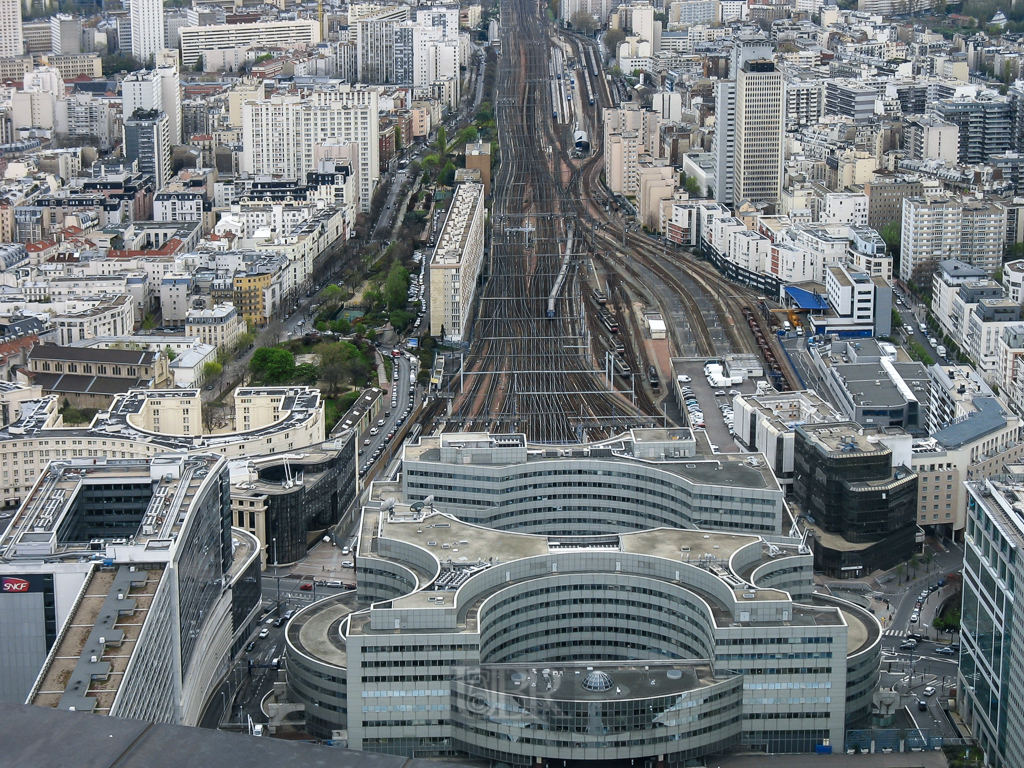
(199, 66)
(692, 187)
(913, 563)
(148, 323)
(447, 175)
(212, 370)
(583, 22)
(273, 365)
(400, 319)
(307, 373)
(245, 340)
(900, 570)
(612, 39)
(891, 234)
(441, 141)
(331, 295)
(396, 286)
(928, 558)
(171, 354)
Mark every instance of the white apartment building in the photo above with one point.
(11, 41)
(220, 326)
(845, 208)
(930, 233)
(108, 316)
(338, 115)
(759, 132)
(956, 287)
(629, 134)
(456, 262)
(147, 22)
(158, 89)
(985, 327)
(302, 33)
(83, 115)
(375, 43)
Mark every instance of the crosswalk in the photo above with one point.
(894, 633)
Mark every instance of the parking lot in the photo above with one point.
(710, 400)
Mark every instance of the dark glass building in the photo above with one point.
(858, 501)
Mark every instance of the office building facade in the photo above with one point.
(759, 132)
(527, 644)
(147, 25)
(147, 139)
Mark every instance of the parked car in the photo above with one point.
(347, 564)
(914, 617)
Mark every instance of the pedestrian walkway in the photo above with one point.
(894, 633)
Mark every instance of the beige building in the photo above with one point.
(141, 424)
(456, 262)
(759, 131)
(113, 316)
(220, 326)
(478, 157)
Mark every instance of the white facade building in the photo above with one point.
(456, 262)
(147, 21)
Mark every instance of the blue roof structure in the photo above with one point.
(805, 299)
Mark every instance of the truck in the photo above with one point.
(941, 350)
(786, 326)
(923, 328)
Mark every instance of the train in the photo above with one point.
(621, 369)
(652, 377)
(608, 321)
(600, 296)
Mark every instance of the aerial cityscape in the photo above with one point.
(555, 383)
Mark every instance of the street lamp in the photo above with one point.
(276, 576)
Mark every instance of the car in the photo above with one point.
(366, 441)
(347, 564)
(914, 617)
(380, 422)
(321, 582)
(914, 636)
(909, 645)
(683, 379)
(925, 594)
(279, 621)
(250, 645)
(955, 647)
(720, 393)
(929, 691)
(288, 614)
(945, 651)
(374, 431)
(734, 392)
(400, 422)
(306, 586)
(387, 414)
(922, 705)
(264, 632)
(209, 387)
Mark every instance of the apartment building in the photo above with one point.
(220, 326)
(196, 40)
(931, 232)
(455, 264)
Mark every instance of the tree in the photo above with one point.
(447, 175)
(171, 354)
(583, 22)
(396, 287)
(272, 333)
(398, 138)
(928, 558)
(148, 322)
(441, 141)
(692, 187)
(900, 570)
(199, 65)
(273, 365)
(913, 563)
(245, 340)
(212, 370)
(331, 295)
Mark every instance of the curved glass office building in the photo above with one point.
(662, 643)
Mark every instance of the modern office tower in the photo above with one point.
(857, 495)
(147, 138)
(723, 144)
(532, 635)
(327, 116)
(759, 132)
(11, 41)
(375, 44)
(985, 123)
(125, 589)
(455, 264)
(991, 672)
(158, 89)
(65, 34)
(147, 23)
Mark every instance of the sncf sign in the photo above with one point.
(12, 584)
